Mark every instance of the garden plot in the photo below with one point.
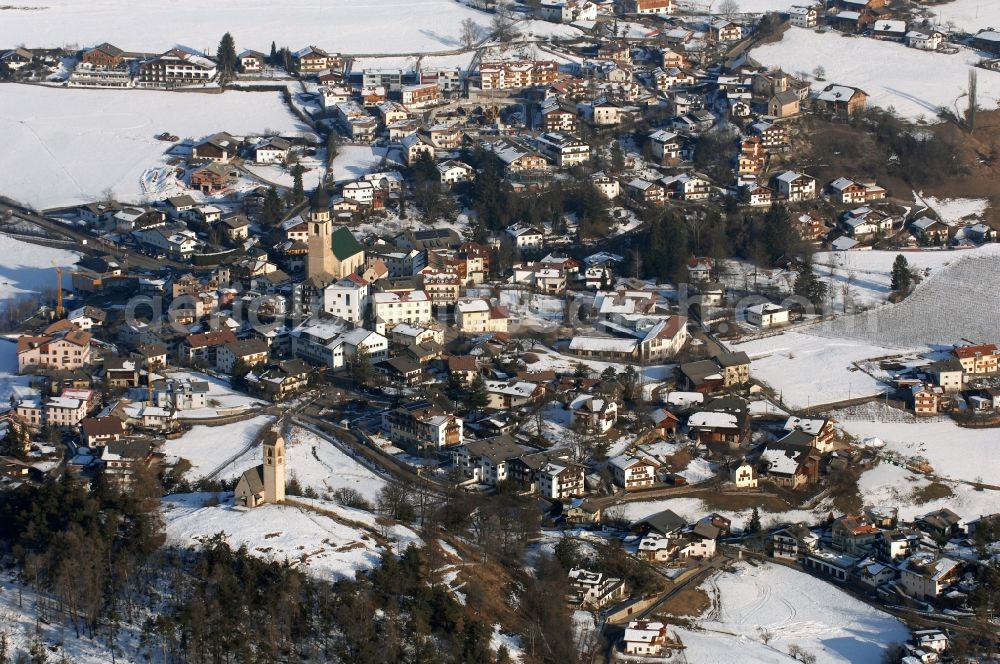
(353, 161)
(954, 211)
(794, 609)
(915, 83)
(347, 26)
(939, 312)
(67, 146)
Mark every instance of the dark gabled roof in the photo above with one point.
(664, 522)
(102, 426)
(796, 438)
(255, 479)
(344, 244)
(732, 359)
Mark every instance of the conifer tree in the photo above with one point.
(226, 56)
(902, 279)
(807, 284)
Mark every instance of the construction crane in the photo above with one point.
(59, 292)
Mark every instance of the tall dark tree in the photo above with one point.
(226, 57)
(298, 192)
(477, 397)
(272, 59)
(902, 278)
(272, 211)
(617, 157)
(807, 284)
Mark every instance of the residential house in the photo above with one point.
(248, 353)
(420, 425)
(479, 316)
(795, 187)
(632, 472)
(592, 414)
(928, 576)
(977, 360)
(594, 589)
(57, 347)
(842, 100)
(767, 315)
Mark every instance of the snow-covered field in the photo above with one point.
(914, 82)
(968, 15)
(890, 485)
(207, 448)
(66, 146)
(806, 369)
(319, 543)
(353, 161)
(315, 463)
(956, 210)
(795, 609)
(399, 26)
(28, 267)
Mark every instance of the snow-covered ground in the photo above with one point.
(27, 267)
(916, 83)
(806, 369)
(399, 26)
(870, 272)
(955, 210)
(315, 463)
(692, 509)
(12, 385)
(795, 609)
(208, 448)
(890, 485)
(968, 15)
(67, 146)
(221, 397)
(353, 161)
(322, 545)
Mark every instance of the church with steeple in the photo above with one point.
(332, 254)
(265, 483)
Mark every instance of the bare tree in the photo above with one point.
(970, 113)
(729, 8)
(503, 27)
(819, 73)
(470, 33)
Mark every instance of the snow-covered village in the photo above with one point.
(500, 331)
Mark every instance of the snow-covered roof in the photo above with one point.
(778, 461)
(603, 344)
(713, 420)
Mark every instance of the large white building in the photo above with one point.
(478, 316)
(402, 307)
(347, 298)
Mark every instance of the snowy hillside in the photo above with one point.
(399, 26)
(66, 146)
(795, 609)
(26, 267)
(916, 83)
(337, 545)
